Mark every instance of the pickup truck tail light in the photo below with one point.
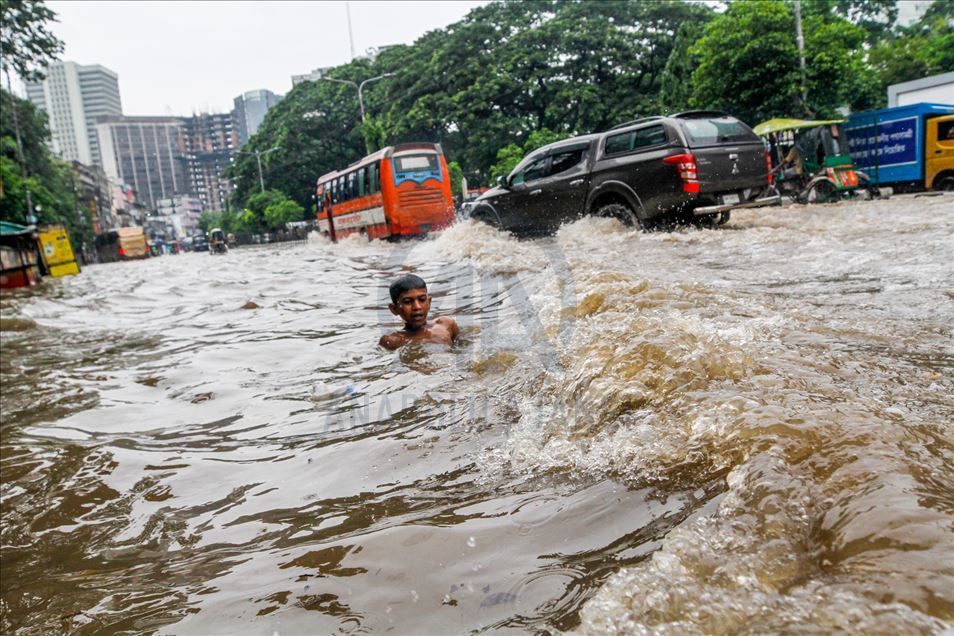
(122, 252)
(768, 166)
(686, 164)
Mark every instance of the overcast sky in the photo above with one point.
(183, 57)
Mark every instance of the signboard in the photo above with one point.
(895, 143)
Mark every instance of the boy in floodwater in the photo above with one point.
(410, 301)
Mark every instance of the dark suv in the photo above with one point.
(695, 165)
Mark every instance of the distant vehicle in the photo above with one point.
(401, 190)
(156, 248)
(698, 165)
(217, 242)
(906, 147)
(200, 243)
(811, 159)
(132, 243)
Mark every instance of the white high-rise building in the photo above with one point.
(250, 110)
(73, 96)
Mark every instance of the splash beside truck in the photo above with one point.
(908, 148)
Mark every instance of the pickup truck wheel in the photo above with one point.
(618, 211)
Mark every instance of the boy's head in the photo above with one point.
(410, 301)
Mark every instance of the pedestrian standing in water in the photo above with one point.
(410, 301)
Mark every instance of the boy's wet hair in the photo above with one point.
(406, 283)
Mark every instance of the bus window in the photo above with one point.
(361, 182)
(374, 178)
(342, 193)
(352, 186)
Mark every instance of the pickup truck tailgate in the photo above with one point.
(725, 167)
(729, 155)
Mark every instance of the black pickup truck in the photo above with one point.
(695, 165)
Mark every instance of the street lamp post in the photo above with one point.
(360, 88)
(258, 158)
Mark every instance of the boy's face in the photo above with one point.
(412, 306)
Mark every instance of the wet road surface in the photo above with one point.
(742, 430)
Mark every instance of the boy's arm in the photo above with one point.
(391, 341)
(451, 326)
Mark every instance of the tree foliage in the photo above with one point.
(49, 179)
(27, 46)
(456, 176)
(510, 155)
(285, 211)
(748, 63)
(481, 87)
(924, 48)
(491, 79)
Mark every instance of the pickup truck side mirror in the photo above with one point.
(502, 182)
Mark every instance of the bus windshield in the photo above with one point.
(416, 163)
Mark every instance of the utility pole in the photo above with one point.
(258, 159)
(350, 33)
(31, 219)
(800, 41)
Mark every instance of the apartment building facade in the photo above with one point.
(210, 142)
(74, 96)
(147, 153)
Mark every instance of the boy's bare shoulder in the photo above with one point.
(450, 324)
(392, 340)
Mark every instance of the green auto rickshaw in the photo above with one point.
(810, 160)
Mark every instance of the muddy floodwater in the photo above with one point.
(740, 430)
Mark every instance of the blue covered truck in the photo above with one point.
(906, 147)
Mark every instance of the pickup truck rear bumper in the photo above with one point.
(775, 199)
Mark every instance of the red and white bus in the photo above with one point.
(401, 190)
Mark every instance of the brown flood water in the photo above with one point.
(742, 430)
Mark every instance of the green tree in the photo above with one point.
(456, 175)
(209, 220)
(491, 79)
(507, 159)
(49, 180)
(510, 155)
(749, 63)
(27, 46)
(922, 49)
(285, 211)
(675, 87)
(876, 17)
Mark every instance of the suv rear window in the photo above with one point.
(627, 141)
(711, 130)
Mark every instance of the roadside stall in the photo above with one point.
(19, 261)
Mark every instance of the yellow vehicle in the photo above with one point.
(939, 155)
(132, 243)
(57, 251)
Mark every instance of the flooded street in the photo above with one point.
(741, 430)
